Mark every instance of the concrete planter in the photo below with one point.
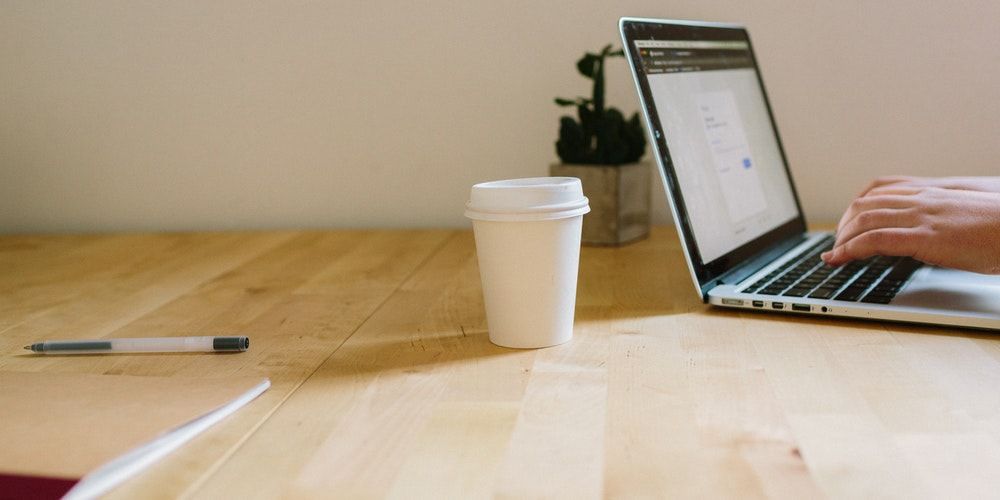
(619, 200)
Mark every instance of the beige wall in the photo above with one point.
(210, 114)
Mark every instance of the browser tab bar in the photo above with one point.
(676, 56)
(693, 44)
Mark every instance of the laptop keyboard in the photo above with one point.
(875, 280)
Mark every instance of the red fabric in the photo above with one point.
(18, 487)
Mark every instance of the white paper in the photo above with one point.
(118, 470)
(734, 163)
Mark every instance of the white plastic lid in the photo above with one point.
(536, 198)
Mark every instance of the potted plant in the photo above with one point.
(603, 149)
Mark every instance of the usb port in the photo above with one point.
(758, 303)
(801, 307)
(732, 302)
(777, 305)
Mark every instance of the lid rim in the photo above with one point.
(526, 216)
(529, 182)
(531, 198)
(557, 207)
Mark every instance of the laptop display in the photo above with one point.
(720, 138)
(708, 113)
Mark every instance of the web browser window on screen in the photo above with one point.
(721, 141)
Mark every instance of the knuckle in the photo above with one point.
(932, 192)
(879, 199)
(878, 239)
(880, 191)
(922, 233)
(866, 219)
(927, 219)
(883, 180)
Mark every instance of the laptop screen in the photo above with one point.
(714, 132)
(723, 147)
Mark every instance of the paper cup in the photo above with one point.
(528, 243)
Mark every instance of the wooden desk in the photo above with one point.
(385, 383)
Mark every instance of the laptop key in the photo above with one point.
(903, 270)
(850, 293)
(877, 299)
(822, 293)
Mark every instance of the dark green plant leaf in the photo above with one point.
(602, 135)
(572, 144)
(587, 64)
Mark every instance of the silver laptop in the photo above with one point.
(734, 204)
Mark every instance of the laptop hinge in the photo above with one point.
(757, 262)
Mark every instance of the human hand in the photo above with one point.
(987, 184)
(886, 185)
(946, 227)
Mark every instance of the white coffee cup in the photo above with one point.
(528, 243)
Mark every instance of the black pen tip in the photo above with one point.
(27, 347)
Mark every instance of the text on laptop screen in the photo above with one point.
(722, 145)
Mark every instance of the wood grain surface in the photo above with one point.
(385, 383)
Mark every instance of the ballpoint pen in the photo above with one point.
(160, 344)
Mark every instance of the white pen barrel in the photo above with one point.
(162, 344)
(166, 344)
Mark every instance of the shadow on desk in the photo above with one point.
(427, 352)
(855, 324)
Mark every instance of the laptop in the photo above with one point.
(734, 204)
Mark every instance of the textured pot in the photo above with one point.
(619, 200)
